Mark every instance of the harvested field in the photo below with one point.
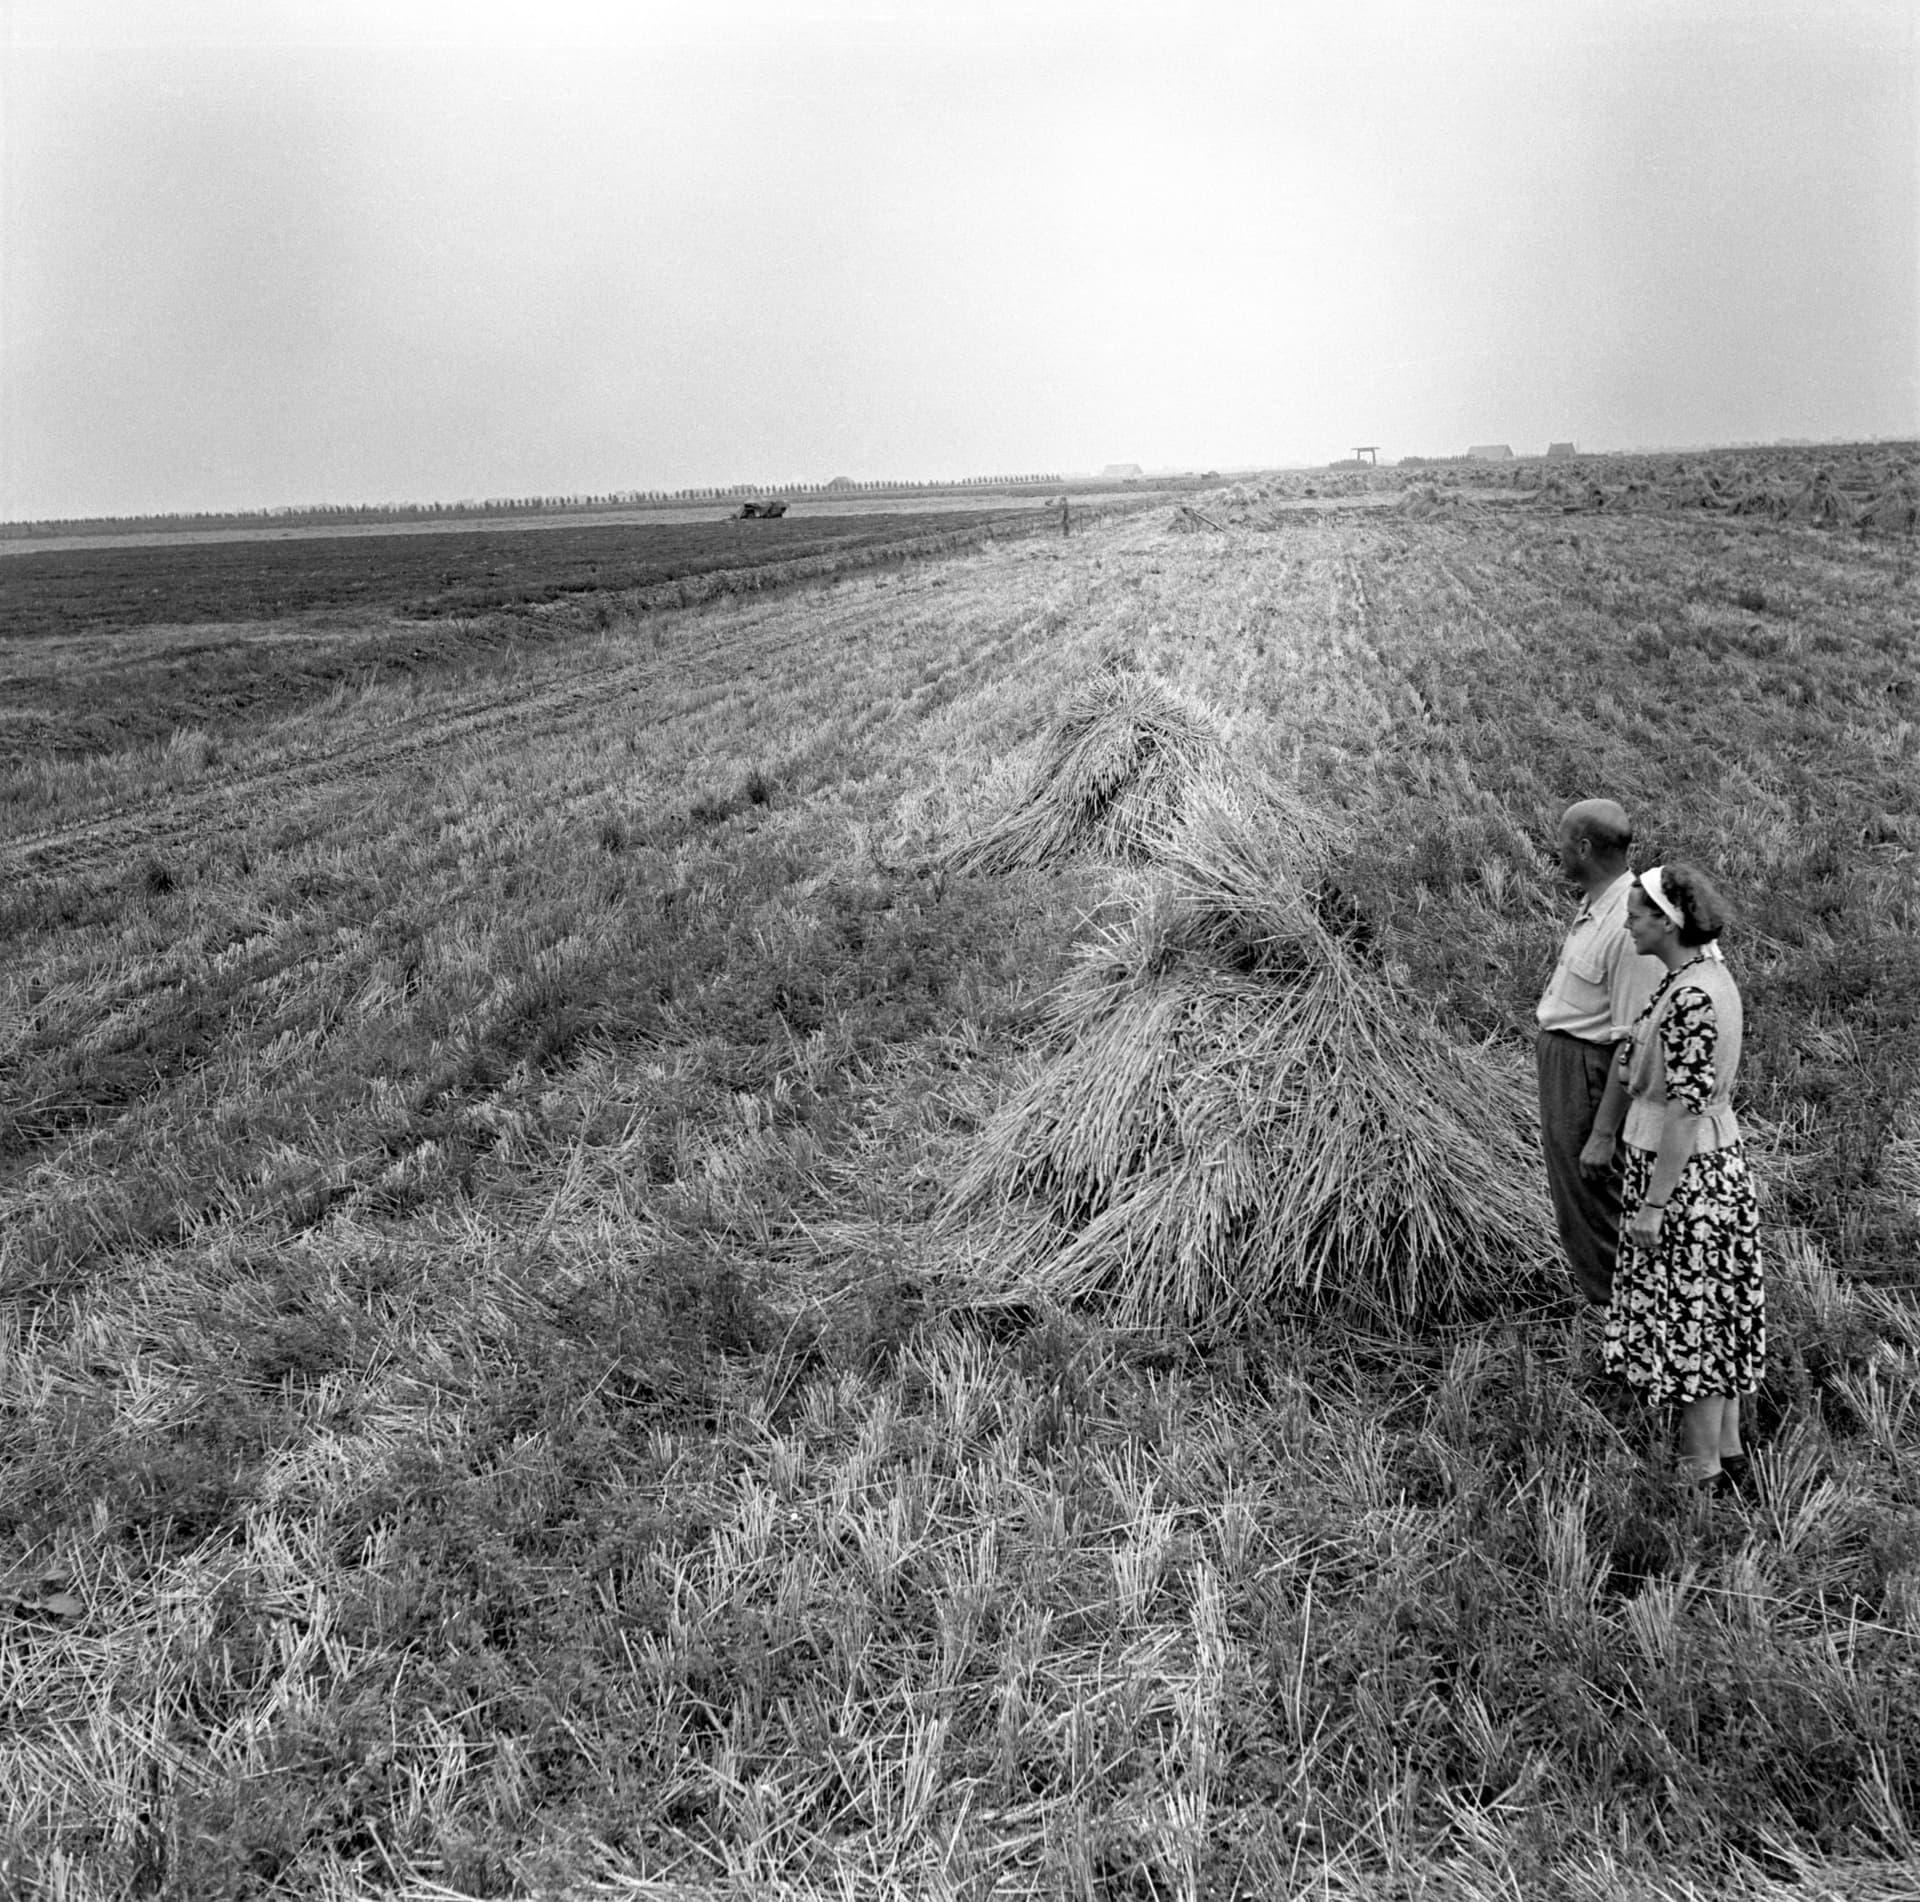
(1859, 489)
(589, 1306)
(426, 576)
(214, 634)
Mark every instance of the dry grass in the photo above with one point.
(1118, 764)
(485, 1408)
(1243, 1115)
(1870, 488)
(1426, 500)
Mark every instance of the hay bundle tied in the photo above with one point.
(1895, 509)
(1115, 769)
(1701, 489)
(1426, 502)
(1636, 494)
(1188, 520)
(1821, 502)
(1765, 496)
(1237, 1114)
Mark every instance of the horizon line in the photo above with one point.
(592, 501)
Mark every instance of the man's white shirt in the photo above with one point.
(1601, 983)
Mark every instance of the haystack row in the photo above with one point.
(1234, 1114)
(1873, 499)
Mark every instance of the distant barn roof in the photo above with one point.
(1490, 452)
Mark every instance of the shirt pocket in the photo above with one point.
(1588, 963)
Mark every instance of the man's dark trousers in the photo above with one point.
(1573, 1078)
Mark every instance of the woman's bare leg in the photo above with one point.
(1730, 1447)
(1700, 1437)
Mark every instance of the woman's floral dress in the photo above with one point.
(1690, 1317)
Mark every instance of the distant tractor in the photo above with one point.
(760, 511)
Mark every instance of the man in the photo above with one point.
(1595, 993)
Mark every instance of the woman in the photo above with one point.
(1687, 1321)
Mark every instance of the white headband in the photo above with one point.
(1655, 888)
(1652, 884)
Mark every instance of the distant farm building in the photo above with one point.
(1121, 471)
(1561, 449)
(1490, 452)
(841, 482)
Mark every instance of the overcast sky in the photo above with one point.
(278, 251)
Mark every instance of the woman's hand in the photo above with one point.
(1643, 1231)
(1596, 1157)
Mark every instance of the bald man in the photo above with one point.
(1595, 993)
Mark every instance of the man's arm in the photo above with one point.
(1596, 1153)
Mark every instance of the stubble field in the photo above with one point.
(496, 1397)
(103, 646)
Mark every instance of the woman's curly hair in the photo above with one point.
(1703, 912)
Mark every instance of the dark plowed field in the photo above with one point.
(416, 576)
